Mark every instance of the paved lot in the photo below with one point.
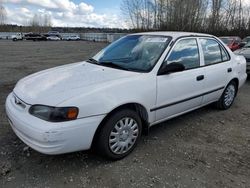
(205, 148)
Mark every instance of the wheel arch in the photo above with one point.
(236, 80)
(138, 108)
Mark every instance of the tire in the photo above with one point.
(228, 96)
(113, 145)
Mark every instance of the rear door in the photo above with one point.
(217, 67)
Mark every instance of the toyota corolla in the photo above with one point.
(134, 83)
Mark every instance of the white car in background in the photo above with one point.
(18, 36)
(134, 83)
(54, 38)
(73, 37)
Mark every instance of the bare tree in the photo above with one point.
(140, 13)
(47, 20)
(35, 22)
(40, 22)
(214, 16)
(3, 14)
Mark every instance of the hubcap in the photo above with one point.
(229, 95)
(123, 136)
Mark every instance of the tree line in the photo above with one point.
(2, 14)
(219, 17)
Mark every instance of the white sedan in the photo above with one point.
(54, 38)
(134, 83)
(74, 37)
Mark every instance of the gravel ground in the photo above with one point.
(205, 148)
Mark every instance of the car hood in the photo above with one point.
(243, 51)
(53, 86)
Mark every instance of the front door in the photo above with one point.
(180, 92)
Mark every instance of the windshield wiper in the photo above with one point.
(92, 60)
(112, 65)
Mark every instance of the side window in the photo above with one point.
(185, 52)
(213, 52)
(224, 54)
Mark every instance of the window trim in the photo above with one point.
(197, 37)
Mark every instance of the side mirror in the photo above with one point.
(171, 68)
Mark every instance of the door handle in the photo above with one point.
(229, 70)
(199, 78)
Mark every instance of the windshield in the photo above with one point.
(247, 39)
(247, 45)
(227, 40)
(134, 52)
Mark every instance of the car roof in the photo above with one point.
(232, 37)
(173, 34)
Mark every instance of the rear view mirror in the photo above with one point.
(171, 68)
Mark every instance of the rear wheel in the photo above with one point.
(120, 134)
(228, 96)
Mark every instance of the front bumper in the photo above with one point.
(47, 137)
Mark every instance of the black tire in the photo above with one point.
(221, 104)
(103, 138)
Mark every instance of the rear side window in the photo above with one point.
(185, 52)
(224, 54)
(213, 52)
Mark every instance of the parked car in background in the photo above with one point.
(18, 36)
(35, 37)
(232, 42)
(245, 41)
(245, 51)
(72, 37)
(53, 33)
(136, 82)
(54, 38)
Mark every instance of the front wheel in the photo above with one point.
(120, 134)
(228, 96)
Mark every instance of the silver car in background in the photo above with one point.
(245, 51)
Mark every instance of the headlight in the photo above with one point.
(54, 114)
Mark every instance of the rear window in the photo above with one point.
(213, 52)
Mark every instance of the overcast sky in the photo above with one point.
(79, 13)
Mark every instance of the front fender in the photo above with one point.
(103, 98)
